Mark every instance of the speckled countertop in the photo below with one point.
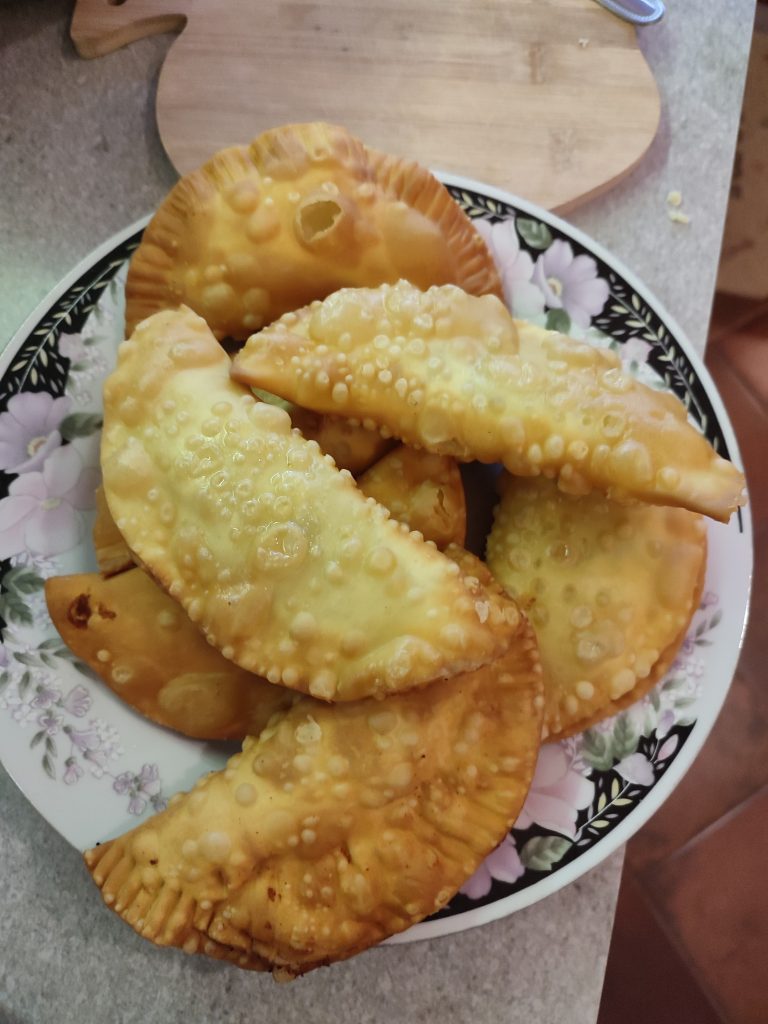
(79, 160)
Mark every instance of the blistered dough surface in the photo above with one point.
(147, 651)
(276, 555)
(421, 489)
(302, 211)
(337, 826)
(454, 373)
(610, 590)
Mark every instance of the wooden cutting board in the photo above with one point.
(551, 99)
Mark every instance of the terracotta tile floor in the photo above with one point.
(690, 941)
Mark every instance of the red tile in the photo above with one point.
(732, 766)
(647, 981)
(713, 900)
(750, 423)
(747, 352)
(730, 313)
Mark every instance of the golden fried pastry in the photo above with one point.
(610, 589)
(148, 652)
(275, 554)
(302, 211)
(350, 445)
(112, 553)
(421, 489)
(452, 372)
(338, 826)
(152, 656)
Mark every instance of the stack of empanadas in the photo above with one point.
(391, 688)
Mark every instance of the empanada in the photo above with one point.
(276, 555)
(610, 590)
(112, 553)
(337, 826)
(147, 651)
(421, 489)
(145, 648)
(302, 211)
(454, 373)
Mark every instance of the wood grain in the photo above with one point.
(550, 99)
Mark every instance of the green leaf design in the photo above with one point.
(36, 738)
(542, 852)
(48, 766)
(22, 580)
(24, 682)
(80, 424)
(5, 678)
(596, 751)
(53, 644)
(558, 320)
(26, 659)
(536, 234)
(13, 609)
(625, 739)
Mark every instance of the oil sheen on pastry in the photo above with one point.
(454, 373)
(147, 651)
(276, 555)
(610, 590)
(302, 211)
(338, 825)
(421, 489)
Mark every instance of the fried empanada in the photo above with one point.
(454, 373)
(350, 445)
(338, 826)
(276, 555)
(421, 489)
(610, 590)
(154, 658)
(302, 211)
(148, 652)
(112, 553)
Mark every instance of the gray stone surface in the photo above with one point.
(80, 159)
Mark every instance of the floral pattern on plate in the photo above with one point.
(583, 788)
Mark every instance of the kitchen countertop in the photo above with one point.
(79, 160)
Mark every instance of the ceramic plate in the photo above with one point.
(94, 769)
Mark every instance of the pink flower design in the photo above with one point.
(29, 430)
(636, 768)
(41, 512)
(523, 298)
(49, 722)
(149, 780)
(86, 740)
(123, 782)
(142, 788)
(557, 793)
(71, 346)
(503, 864)
(571, 283)
(635, 351)
(77, 702)
(72, 772)
(709, 598)
(45, 696)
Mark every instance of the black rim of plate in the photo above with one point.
(37, 365)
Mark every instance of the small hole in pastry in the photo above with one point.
(317, 218)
